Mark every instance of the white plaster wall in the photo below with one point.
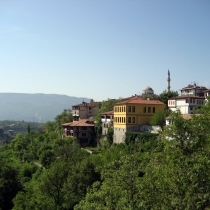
(180, 104)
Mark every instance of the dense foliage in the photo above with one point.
(170, 170)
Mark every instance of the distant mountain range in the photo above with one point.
(35, 107)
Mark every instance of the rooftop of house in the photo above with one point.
(91, 104)
(186, 96)
(186, 116)
(139, 100)
(189, 87)
(108, 113)
(80, 123)
(207, 91)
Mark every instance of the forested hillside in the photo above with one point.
(34, 107)
(167, 171)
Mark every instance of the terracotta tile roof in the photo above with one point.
(83, 122)
(187, 96)
(139, 100)
(193, 86)
(186, 116)
(108, 113)
(92, 104)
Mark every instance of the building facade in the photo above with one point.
(187, 104)
(84, 110)
(107, 121)
(193, 90)
(207, 95)
(83, 130)
(130, 114)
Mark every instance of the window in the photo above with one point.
(89, 108)
(124, 108)
(133, 108)
(129, 119)
(153, 109)
(133, 120)
(144, 109)
(84, 128)
(83, 134)
(190, 100)
(129, 108)
(149, 109)
(186, 100)
(193, 100)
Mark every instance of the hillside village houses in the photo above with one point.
(192, 97)
(82, 126)
(131, 114)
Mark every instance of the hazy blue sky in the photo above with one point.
(103, 48)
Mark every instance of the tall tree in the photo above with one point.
(159, 118)
(62, 118)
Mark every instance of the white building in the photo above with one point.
(107, 120)
(206, 95)
(193, 90)
(185, 103)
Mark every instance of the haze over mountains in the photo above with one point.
(35, 107)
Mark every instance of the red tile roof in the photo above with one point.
(186, 116)
(83, 122)
(108, 113)
(139, 100)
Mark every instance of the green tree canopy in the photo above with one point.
(9, 184)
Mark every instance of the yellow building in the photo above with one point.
(131, 113)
